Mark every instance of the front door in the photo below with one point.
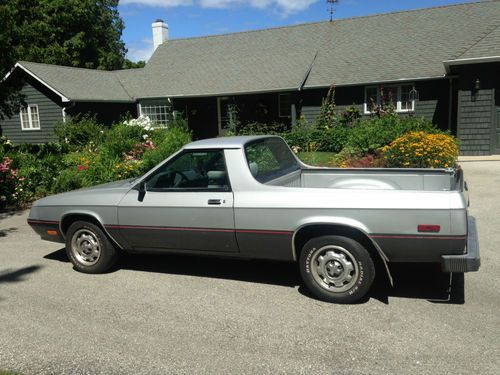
(187, 205)
(495, 146)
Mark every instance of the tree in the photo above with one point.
(128, 64)
(9, 92)
(78, 33)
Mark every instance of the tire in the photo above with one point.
(336, 269)
(89, 249)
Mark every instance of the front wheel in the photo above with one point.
(336, 269)
(89, 249)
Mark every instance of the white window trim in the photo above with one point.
(30, 120)
(279, 106)
(398, 101)
(165, 104)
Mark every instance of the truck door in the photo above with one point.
(186, 204)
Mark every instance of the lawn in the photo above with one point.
(320, 159)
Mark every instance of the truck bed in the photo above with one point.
(374, 179)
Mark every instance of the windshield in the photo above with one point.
(270, 158)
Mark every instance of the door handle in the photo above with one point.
(216, 202)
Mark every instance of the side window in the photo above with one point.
(269, 159)
(192, 170)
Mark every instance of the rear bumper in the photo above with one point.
(468, 262)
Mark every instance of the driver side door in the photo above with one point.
(187, 205)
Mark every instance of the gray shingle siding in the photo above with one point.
(50, 113)
(432, 105)
(475, 116)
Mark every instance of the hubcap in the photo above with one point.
(334, 268)
(85, 247)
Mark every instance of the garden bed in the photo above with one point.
(88, 154)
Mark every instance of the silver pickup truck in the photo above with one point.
(250, 197)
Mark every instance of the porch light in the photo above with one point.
(413, 95)
(477, 85)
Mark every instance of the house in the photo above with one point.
(442, 63)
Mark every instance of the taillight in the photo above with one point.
(429, 228)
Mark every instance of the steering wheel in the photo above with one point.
(183, 178)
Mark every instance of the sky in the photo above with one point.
(190, 18)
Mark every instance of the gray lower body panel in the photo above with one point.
(419, 248)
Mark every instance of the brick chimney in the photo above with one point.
(160, 33)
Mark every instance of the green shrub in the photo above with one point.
(121, 139)
(8, 181)
(179, 122)
(79, 131)
(5, 146)
(69, 179)
(370, 135)
(350, 116)
(259, 128)
(166, 142)
(328, 116)
(38, 173)
(84, 169)
(324, 140)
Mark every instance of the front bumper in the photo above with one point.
(47, 230)
(468, 262)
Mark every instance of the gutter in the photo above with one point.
(368, 83)
(474, 60)
(275, 90)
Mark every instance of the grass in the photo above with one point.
(4, 372)
(320, 159)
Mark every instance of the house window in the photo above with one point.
(285, 105)
(30, 119)
(398, 95)
(158, 112)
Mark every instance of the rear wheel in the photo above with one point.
(336, 269)
(89, 249)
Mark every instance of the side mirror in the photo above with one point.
(142, 191)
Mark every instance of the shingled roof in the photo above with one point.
(77, 84)
(380, 48)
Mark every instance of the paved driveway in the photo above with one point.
(177, 314)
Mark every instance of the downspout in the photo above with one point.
(301, 86)
(73, 104)
(450, 103)
(303, 82)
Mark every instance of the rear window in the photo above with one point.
(270, 158)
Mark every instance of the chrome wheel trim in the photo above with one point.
(85, 247)
(334, 268)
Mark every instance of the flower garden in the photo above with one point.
(88, 153)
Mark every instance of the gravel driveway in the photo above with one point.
(186, 315)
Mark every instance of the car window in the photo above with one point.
(270, 158)
(192, 170)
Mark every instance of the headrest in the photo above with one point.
(216, 175)
(254, 168)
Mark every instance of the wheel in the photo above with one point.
(336, 269)
(89, 249)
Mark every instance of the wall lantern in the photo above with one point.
(475, 90)
(477, 85)
(413, 95)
